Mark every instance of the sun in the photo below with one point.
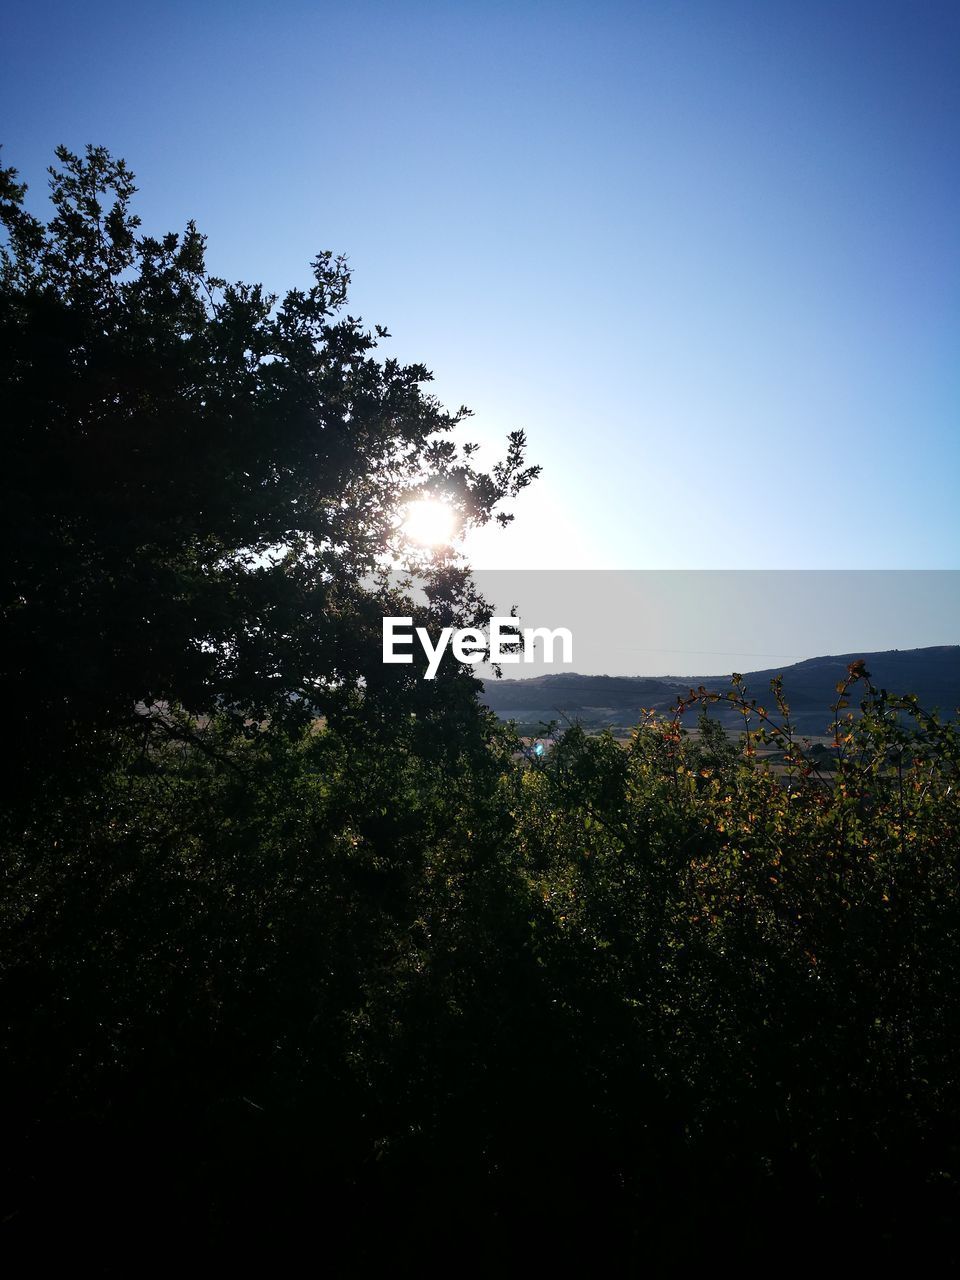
(431, 522)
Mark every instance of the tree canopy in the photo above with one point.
(199, 475)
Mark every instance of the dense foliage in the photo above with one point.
(200, 477)
(374, 982)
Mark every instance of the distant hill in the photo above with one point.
(933, 674)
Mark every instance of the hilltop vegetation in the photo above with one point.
(376, 985)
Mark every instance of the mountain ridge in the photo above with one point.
(932, 673)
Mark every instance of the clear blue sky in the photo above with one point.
(706, 253)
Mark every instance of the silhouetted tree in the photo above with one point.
(198, 475)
